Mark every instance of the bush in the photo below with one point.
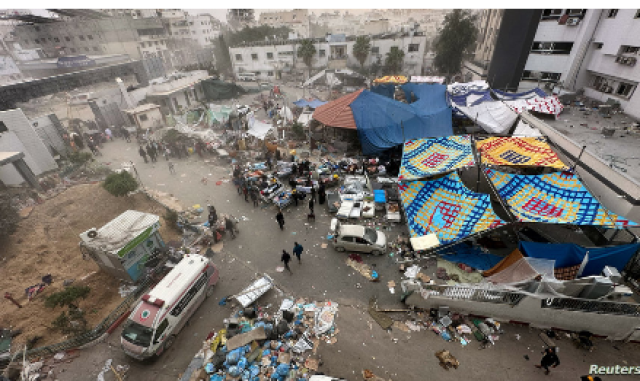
(120, 184)
(73, 322)
(171, 217)
(80, 157)
(9, 216)
(297, 129)
(67, 297)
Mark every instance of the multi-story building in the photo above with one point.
(269, 59)
(132, 13)
(561, 49)
(296, 19)
(239, 18)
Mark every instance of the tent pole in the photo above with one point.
(577, 162)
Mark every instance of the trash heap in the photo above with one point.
(256, 345)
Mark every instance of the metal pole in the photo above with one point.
(578, 159)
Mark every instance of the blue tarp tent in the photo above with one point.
(386, 89)
(314, 103)
(471, 256)
(384, 123)
(568, 254)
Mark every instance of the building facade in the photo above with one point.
(268, 60)
(296, 19)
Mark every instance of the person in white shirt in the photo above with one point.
(107, 131)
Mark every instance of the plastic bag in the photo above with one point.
(234, 371)
(242, 363)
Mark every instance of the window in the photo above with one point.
(347, 239)
(90, 37)
(361, 241)
(189, 295)
(612, 13)
(37, 41)
(551, 14)
(161, 328)
(86, 49)
(375, 50)
(67, 38)
(322, 53)
(269, 55)
(286, 53)
(81, 38)
(576, 12)
(624, 89)
(3, 127)
(56, 39)
(414, 47)
(552, 47)
(73, 50)
(254, 56)
(530, 75)
(270, 74)
(599, 45)
(143, 117)
(238, 57)
(626, 49)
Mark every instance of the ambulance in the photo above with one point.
(160, 315)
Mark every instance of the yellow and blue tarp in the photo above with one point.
(514, 151)
(556, 198)
(428, 157)
(446, 207)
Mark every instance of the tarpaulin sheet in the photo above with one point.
(447, 208)
(386, 89)
(461, 88)
(525, 269)
(259, 129)
(493, 116)
(391, 79)
(518, 151)
(523, 129)
(471, 256)
(215, 89)
(427, 157)
(427, 79)
(534, 93)
(532, 100)
(383, 123)
(568, 254)
(558, 198)
(504, 263)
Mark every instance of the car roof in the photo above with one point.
(354, 230)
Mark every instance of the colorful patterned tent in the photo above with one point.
(391, 79)
(427, 157)
(534, 100)
(557, 197)
(447, 208)
(513, 151)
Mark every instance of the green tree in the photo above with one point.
(361, 49)
(306, 51)
(120, 184)
(257, 34)
(393, 61)
(9, 216)
(67, 297)
(458, 36)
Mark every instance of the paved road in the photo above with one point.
(322, 275)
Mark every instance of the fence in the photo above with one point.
(593, 306)
(95, 333)
(477, 294)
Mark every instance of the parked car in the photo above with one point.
(357, 238)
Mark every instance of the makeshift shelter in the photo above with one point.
(215, 89)
(447, 208)
(533, 100)
(517, 151)
(384, 123)
(311, 103)
(385, 89)
(428, 157)
(568, 254)
(422, 79)
(470, 255)
(558, 198)
(523, 129)
(259, 129)
(507, 261)
(524, 270)
(338, 113)
(493, 116)
(462, 88)
(391, 79)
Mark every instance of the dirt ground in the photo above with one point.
(46, 242)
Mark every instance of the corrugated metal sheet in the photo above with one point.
(121, 230)
(338, 113)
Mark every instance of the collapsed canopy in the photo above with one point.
(447, 208)
(557, 197)
(427, 157)
(515, 151)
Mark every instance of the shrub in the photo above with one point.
(120, 184)
(73, 322)
(9, 216)
(67, 297)
(80, 157)
(297, 129)
(171, 217)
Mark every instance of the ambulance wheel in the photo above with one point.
(169, 342)
(210, 290)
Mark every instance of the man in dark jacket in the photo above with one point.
(550, 359)
(143, 153)
(229, 226)
(280, 219)
(286, 258)
(297, 250)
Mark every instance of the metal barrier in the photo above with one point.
(93, 334)
(593, 306)
(477, 294)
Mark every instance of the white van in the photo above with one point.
(247, 77)
(161, 314)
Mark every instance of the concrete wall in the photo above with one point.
(9, 142)
(49, 134)
(154, 119)
(37, 155)
(530, 310)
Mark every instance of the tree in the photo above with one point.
(393, 61)
(458, 35)
(221, 52)
(9, 216)
(361, 49)
(306, 51)
(120, 184)
(257, 34)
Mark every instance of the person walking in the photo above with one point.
(167, 153)
(286, 258)
(228, 224)
(254, 197)
(280, 219)
(143, 153)
(172, 170)
(297, 250)
(322, 194)
(150, 153)
(126, 134)
(313, 192)
(550, 359)
(311, 204)
(245, 191)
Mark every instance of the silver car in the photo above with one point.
(357, 238)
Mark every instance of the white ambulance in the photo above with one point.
(154, 323)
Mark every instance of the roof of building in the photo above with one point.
(9, 157)
(118, 232)
(142, 108)
(338, 113)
